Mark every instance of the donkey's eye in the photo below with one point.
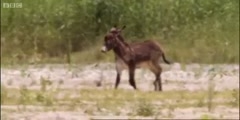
(108, 41)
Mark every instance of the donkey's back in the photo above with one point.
(144, 53)
(146, 45)
(146, 50)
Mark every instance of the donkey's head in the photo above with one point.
(111, 38)
(116, 30)
(110, 41)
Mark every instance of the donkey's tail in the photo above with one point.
(163, 55)
(164, 59)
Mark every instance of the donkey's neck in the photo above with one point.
(123, 51)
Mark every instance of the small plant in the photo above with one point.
(4, 94)
(221, 116)
(60, 82)
(118, 113)
(10, 82)
(198, 73)
(25, 95)
(211, 86)
(171, 109)
(158, 115)
(206, 117)
(49, 100)
(169, 115)
(40, 97)
(33, 82)
(73, 104)
(145, 108)
(89, 111)
(45, 83)
(23, 73)
(45, 96)
(200, 102)
(235, 95)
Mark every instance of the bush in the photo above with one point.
(145, 108)
(191, 30)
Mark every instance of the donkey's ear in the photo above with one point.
(114, 29)
(124, 27)
(115, 25)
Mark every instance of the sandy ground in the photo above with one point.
(176, 76)
(190, 77)
(35, 113)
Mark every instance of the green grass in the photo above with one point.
(191, 31)
(108, 98)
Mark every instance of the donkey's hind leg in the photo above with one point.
(157, 70)
(158, 77)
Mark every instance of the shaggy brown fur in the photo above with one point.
(135, 55)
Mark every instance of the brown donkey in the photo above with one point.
(145, 54)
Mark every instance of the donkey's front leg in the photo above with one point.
(119, 69)
(118, 79)
(131, 76)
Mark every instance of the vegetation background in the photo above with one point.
(60, 31)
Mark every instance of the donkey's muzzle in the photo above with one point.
(104, 49)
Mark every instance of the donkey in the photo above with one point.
(145, 54)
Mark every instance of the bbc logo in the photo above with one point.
(12, 5)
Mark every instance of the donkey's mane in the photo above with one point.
(120, 37)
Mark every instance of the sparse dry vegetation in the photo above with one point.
(49, 94)
(112, 99)
(106, 102)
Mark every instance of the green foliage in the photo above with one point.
(190, 30)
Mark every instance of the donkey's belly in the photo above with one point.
(142, 65)
(121, 66)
